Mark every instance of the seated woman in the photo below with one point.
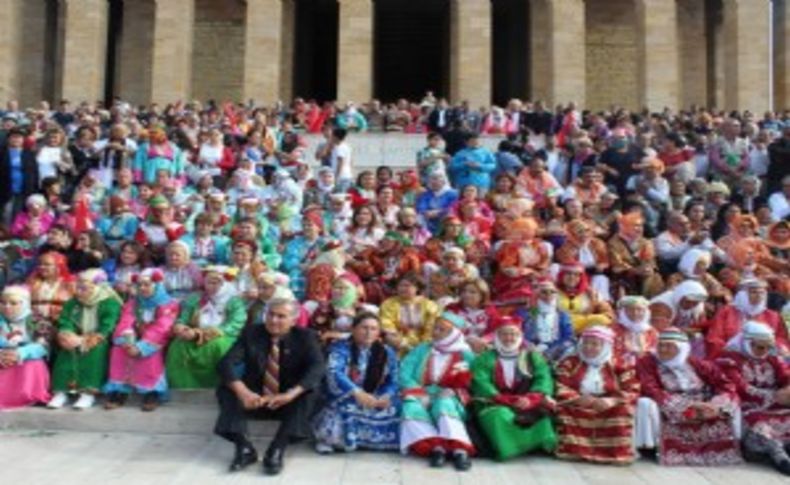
(633, 334)
(182, 276)
(407, 319)
(332, 319)
(248, 266)
(513, 388)
(547, 327)
(120, 224)
(51, 285)
(633, 259)
(434, 204)
(694, 265)
(750, 304)
(475, 307)
(362, 409)
(689, 410)
(24, 375)
(434, 381)
(206, 328)
(32, 224)
(596, 396)
(521, 258)
(581, 246)
(579, 300)
(762, 381)
(206, 247)
(137, 358)
(300, 251)
(445, 280)
(85, 327)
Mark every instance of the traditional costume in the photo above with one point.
(90, 317)
(217, 320)
(343, 423)
(145, 325)
(758, 379)
(412, 320)
(434, 381)
(633, 337)
(26, 381)
(668, 417)
(630, 252)
(512, 390)
(547, 327)
(584, 382)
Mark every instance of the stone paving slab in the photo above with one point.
(65, 458)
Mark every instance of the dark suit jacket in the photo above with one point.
(29, 173)
(739, 200)
(301, 359)
(433, 120)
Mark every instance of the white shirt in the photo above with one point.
(342, 151)
(47, 159)
(780, 207)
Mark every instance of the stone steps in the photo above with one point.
(187, 413)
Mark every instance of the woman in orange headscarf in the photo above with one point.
(582, 247)
(51, 285)
(521, 257)
(633, 259)
(743, 262)
(158, 153)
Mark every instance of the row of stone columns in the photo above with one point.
(158, 37)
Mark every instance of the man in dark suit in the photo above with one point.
(271, 372)
(18, 175)
(440, 119)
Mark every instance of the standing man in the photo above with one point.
(340, 159)
(473, 166)
(271, 372)
(18, 175)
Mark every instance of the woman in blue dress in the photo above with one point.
(434, 203)
(363, 406)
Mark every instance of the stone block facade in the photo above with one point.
(598, 53)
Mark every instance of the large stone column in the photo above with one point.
(9, 49)
(781, 54)
(136, 51)
(355, 51)
(288, 36)
(470, 51)
(747, 47)
(558, 47)
(84, 49)
(693, 53)
(657, 35)
(263, 51)
(171, 72)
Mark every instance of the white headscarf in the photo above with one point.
(751, 330)
(688, 262)
(679, 366)
(687, 289)
(742, 303)
(622, 316)
(592, 382)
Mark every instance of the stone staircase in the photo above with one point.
(187, 413)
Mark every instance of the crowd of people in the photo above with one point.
(604, 285)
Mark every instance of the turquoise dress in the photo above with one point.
(298, 251)
(434, 409)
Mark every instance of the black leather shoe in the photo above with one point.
(273, 461)
(438, 457)
(461, 461)
(244, 458)
(783, 467)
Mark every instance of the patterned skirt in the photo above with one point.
(708, 443)
(600, 437)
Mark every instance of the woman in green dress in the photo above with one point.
(206, 328)
(84, 329)
(512, 392)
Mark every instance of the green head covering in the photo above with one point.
(398, 237)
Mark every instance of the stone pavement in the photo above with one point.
(68, 457)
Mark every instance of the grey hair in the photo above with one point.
(280, 302)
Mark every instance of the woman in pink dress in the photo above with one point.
(137, 361)
(24, 375)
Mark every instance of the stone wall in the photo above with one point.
(218, 53)
(693, 61)
(612, 68)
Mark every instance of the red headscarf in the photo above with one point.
(61, 263)
(583, 280)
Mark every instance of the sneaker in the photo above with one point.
(85, 401)
(58, 400)
(324, 449)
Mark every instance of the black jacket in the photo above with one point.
(29, 174)
(301, 359)
(778, 165)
